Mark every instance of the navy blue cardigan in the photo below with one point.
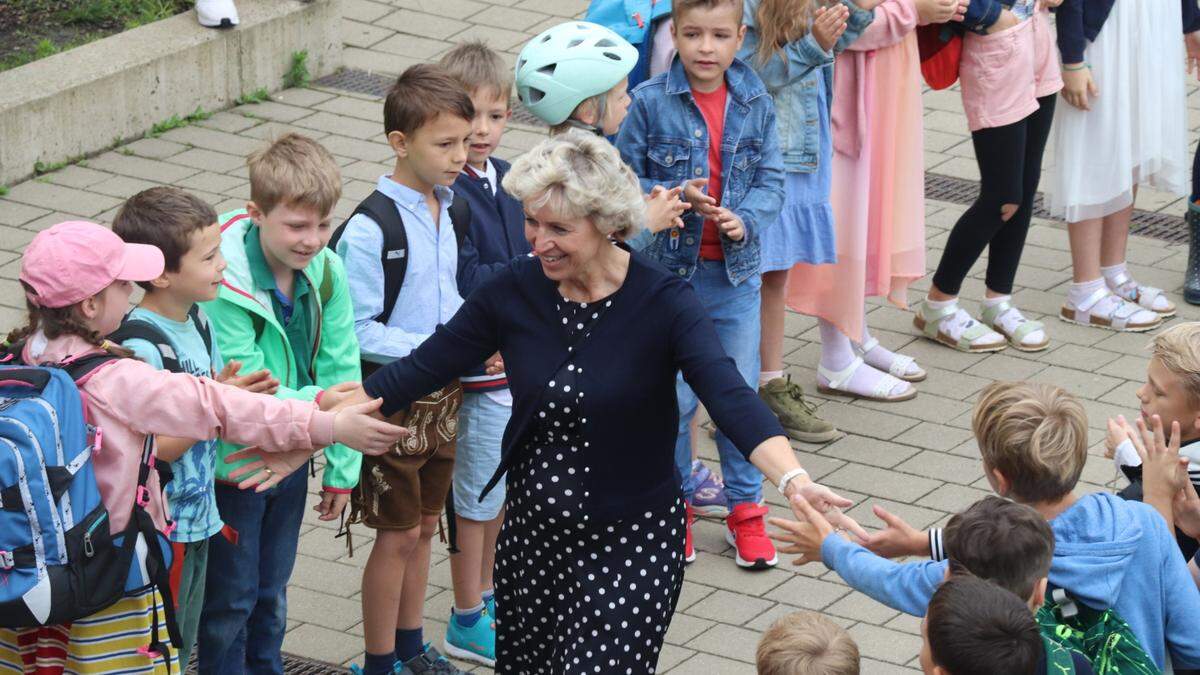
(1079, 22)
(655, 328)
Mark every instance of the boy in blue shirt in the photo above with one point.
(496, 236)
(709, 124)
(428, 120)
(168, 331)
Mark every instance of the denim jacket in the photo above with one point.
(792, 76)
(665, 141)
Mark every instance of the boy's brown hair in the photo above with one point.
(977, 628)
(678, 7)
(297, 171)
(1009, 544)
(1035, 434)
(805, 643)
(165, 217)
(477, 68)
(419, 95)
(1178, 350)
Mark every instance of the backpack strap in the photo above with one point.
(394, 253)
(202, 326)
(141, 329)
(460, 218)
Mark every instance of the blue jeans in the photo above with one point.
(735, 312)
(245, 603)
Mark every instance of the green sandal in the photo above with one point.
(929, 322)
(1017, 338)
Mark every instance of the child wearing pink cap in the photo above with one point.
(78, 278)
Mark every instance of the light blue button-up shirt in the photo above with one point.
(429, 295)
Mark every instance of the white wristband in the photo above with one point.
(787, 478)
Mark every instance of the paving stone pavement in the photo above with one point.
(917, 458)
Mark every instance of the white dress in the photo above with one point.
(1136, 131)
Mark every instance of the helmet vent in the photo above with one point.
(614, 57)
(547, 38)
(535, 95)
(605, 42)
(548, 71)
(575, 43)
(521, 64)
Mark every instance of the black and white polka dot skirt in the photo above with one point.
(575, 596)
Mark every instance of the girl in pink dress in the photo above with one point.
(878, 200)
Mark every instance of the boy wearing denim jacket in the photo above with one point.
(709, 124)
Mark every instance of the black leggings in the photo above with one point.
(1010, 164)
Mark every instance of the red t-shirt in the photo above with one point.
(712, 108)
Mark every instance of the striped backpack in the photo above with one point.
(58, 560)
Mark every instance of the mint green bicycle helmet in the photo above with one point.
(568, 64)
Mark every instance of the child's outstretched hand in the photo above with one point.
(1118, 432)
(940, 11)
(266, 469)
(331, 505)
(358, 426)
(1186, 508)
(693, 194)
(829, 24)
(339, 395)
(1164, 472)
(261, 382)
(730, 225)
(1078, 86)
(494, 365)
(896, 540)
(664, 208)
(805, 538)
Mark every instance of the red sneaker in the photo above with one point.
(747, 532)
(689, 551)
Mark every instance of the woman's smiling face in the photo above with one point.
(563, 245)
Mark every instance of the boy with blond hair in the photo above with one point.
(496, 236)
(1109, 552)
(283, 305)
(806, 643)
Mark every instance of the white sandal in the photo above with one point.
(881, 392)
(1118, 319)
(1143, 296)
(991, 317)
(900, 364)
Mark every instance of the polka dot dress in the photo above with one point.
(574, 595)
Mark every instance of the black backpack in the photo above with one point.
(141, 329)
(394, 255)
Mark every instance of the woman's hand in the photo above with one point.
(358, 426)
(1078, 86)
(802, 490)
(805, 538)
(266, 469)
(829, 24)
(664, 208)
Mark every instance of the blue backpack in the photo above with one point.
(58, 560)
(633, 20)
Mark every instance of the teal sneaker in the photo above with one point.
(476, 644)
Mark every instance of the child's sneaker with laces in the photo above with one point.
(429, 662)
(708, 497)
(746, 530)
(476, 643)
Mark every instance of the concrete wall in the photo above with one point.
(79, 101)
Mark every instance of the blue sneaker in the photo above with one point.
(476, 644)
(356, 669)
(428, 662)
(708, 499)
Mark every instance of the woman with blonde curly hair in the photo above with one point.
(589, 564)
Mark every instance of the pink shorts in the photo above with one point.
(1003, 74)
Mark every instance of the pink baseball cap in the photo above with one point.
(75, 260)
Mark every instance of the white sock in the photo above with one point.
(1111, 272)
(836, 350)
(957, 323)
(1080, 292)
(1011, 319)
(882, 358)
(768, 375)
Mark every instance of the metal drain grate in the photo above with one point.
(1161, 226)
(294, 665)
(374, 84)
(1168, 228)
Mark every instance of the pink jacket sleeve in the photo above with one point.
(176, 404)
(894, 19)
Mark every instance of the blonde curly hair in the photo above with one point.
(580, 175)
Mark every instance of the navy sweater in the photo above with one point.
(655, 328)
(1080, 21)
(496, 236)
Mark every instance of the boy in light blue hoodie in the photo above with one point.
(1109, 553)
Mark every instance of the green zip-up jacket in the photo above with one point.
(247, 331)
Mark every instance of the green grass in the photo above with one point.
(297, 75)
(3, 190)
(257, 96)
(175, 122)
(129, 13)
